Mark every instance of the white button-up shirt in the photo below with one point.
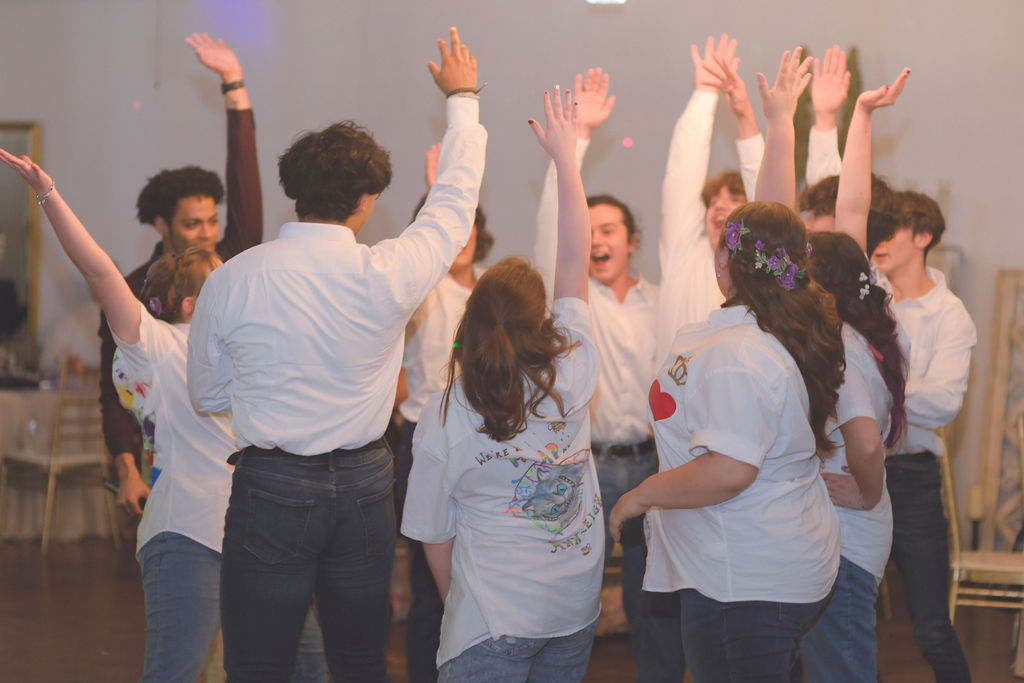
(301, 338)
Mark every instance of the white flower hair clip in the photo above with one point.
(866, 289)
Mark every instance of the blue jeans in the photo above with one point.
(516, 660)
(299, 526)
(181, 583)
(920, 549)
(842, 646)
(744, 641)
(423, 629)
(653, 617)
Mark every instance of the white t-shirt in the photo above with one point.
(866, 534)
(191, 476)
(428, 342)
(731, 388)
(525, 513)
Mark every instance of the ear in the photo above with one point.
(365, 204)
(161, 226)
(923, 239)
(634, 242)
(188, 307)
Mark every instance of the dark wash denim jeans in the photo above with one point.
(745, 641)
(920, 549)
(300, 527)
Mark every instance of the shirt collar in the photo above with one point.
(731, 316)
(642, 287)
(933, 300)
(317, 231)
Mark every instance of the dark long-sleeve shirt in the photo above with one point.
(244, 229)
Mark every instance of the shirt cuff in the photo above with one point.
(732, 445)
(703, 102)
(462, 111)
(751, 150)
(821, 141)
(581, 150)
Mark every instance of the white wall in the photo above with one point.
(120, 96)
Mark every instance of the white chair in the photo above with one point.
(77, 451)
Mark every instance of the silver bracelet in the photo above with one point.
(40, 200)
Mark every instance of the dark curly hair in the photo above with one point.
(506, 346)
(838, 265)
(327, 172)
(820, 200)
(159, 198)
(484, 239)
(803, 318)
(922, 214)
(608, 200)
(731, 179)
(172, 277)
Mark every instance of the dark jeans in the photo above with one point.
(920, 549)
(299, 526)
(744, 641)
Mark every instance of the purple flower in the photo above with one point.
(733, 233)
(808, 249)
(774, 264)
(788, 277)
(781, 252)
(155, 305)
(759, 245)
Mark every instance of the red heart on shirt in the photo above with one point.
(662, 404)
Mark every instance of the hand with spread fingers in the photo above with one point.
(780, 100)
(829, 87)
(458, 70)
(594, 104)
(708, 74)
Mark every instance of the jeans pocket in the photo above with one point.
(509, 646)
(378, 513)
(275, 526)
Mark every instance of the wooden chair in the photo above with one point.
(982, 578)
(77, 450)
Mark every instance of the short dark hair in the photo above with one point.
(922, 214)
(820, 200)
(608, 200)
(484, 239)
(731, 179)
(160, 196)
(327, 172)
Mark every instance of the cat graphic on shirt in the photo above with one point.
(550, 492)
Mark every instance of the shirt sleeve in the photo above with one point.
(429, 514)
(244, 226)
(738, 416)
(576, 373)
(823, 160)
(854, 395)
(545, 249)
(210, 370)
(751, 151)
(935, 393)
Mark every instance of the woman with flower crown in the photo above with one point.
(739, 517)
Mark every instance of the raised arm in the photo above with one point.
(776, 181)
(853, 199)
(828, 92)
(558, 139)
(244, 227)
(104, 280)
(749, 142)
(594, 105)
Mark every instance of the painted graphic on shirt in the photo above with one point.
(550, 492)
(662, 404)
(132, 393)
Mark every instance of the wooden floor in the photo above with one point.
(77, 616)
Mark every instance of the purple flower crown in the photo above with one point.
(778, 266)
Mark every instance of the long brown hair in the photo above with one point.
(803, 318)
(172, 277)
(506, 346)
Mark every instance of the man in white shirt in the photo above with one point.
(941, 335)
(301, 340)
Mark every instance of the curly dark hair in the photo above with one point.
(327, 172)
(627, 216)
(731, 179)
(838, 265)
(506, 346)
(159, 198)
(922, 214)
(172, 277)
(803, 318)
(820, 200)
(484, 239)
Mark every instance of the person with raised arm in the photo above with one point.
(739, 516)
(503, 491)
(624, 306)
(181, 205)
(694, 211)
(300, 339)
(842, 645)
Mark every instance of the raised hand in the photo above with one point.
(36, 177)
(780, 100)
(735, 91)
(708, 74)
(885, 96)
(216, 56)
(433, 154)
(594, 103)
(458, 67)
(558, 137)
(829, 87)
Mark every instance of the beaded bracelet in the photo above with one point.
(40, 200)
